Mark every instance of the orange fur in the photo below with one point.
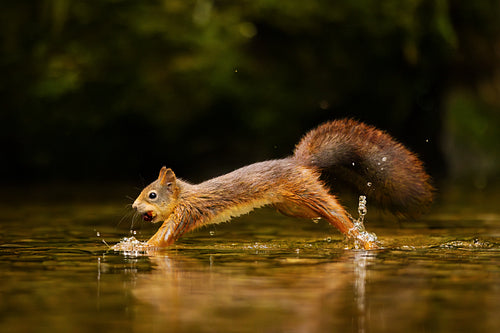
(295, 185)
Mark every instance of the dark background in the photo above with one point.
(111, 90)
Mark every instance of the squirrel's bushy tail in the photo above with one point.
(369, 159)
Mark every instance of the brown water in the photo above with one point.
(261, 273)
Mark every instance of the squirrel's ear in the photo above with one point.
(162, 173)
(166, 176)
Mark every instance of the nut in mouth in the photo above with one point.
(148, 216)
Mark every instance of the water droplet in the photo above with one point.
(212, 233)
(353, 163)
(316, 219)
(297, 250)
(427, 140)
(98, 234)
(135, 232)
(369, 184)
(384, 159)
(329, 239)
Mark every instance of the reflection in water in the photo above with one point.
(360, 262)
(431, 276)
(350, 291)
(98, 282)
(189, 296)
(265, 294)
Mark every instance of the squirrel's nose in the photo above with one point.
(135, 205)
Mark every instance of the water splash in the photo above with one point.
(357, 235)
(475, 243)
(362, 210)
(130, 246)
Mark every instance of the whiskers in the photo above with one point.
(131, 217)
(130, 198)
(135, 221)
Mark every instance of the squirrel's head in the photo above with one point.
(159, 198)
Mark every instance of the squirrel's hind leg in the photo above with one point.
(320, 203)
(294, 210)
(336, 215)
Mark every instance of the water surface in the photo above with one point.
(261, 273)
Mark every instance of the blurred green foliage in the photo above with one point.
(115, 88)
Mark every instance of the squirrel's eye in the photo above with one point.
(152, 195)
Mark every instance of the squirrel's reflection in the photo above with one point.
(218, 291)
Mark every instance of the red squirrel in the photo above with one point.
(299, 186)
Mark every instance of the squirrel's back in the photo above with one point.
(370, 160)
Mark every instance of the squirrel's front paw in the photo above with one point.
(370, 246)
(163, 237)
